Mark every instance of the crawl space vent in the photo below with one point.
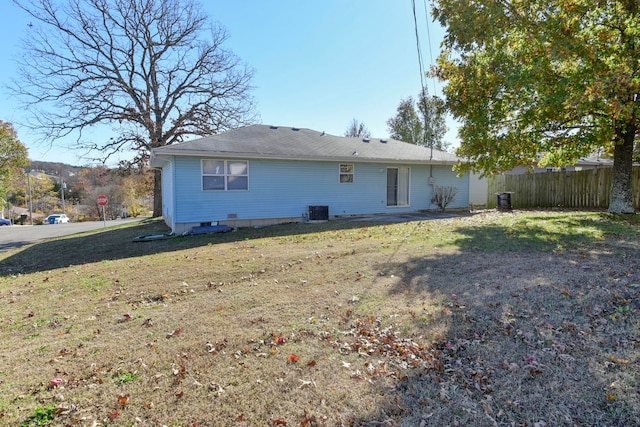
(318, 213)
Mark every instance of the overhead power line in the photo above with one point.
(418, 47)
(426, 18)
(423, 97)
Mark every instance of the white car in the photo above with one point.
(56, 219)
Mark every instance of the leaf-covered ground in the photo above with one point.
(524, 318)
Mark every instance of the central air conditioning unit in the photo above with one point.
(318, 213)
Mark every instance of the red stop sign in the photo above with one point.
(102, 200)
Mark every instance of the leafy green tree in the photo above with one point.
(420, 122)
(154, 71)
(45, 198)
(558, 77)
(406, 125)
(129, 192)
(35, 189)
(13, 156)
(433, 111)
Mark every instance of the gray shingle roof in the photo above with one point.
(278, 142)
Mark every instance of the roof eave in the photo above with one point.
(260, 156)
(157, 161)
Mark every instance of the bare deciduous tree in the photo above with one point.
(357, 129)
(146, 68)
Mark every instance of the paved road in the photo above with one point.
(15, 236)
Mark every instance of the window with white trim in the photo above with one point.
(225, 175)
(346, 173)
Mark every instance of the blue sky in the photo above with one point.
(318, 63)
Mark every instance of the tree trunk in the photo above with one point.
(622, 189)
(157, 193)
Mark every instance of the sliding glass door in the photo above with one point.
(398, 186)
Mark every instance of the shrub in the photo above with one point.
(443, 196)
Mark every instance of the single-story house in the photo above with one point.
(260, 175)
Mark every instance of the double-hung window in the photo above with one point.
(225, 175)
(346, 173)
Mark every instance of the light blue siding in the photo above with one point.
(444, 176)
(284, 189)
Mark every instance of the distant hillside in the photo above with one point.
(55, 168)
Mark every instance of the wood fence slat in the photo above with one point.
(580, 189)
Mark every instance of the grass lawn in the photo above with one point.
(491, 319)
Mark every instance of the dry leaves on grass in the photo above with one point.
(512, 323)
(367, 337)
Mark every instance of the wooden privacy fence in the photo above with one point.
(581, 189)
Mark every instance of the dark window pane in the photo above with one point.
(213, 183)
(238, 183)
